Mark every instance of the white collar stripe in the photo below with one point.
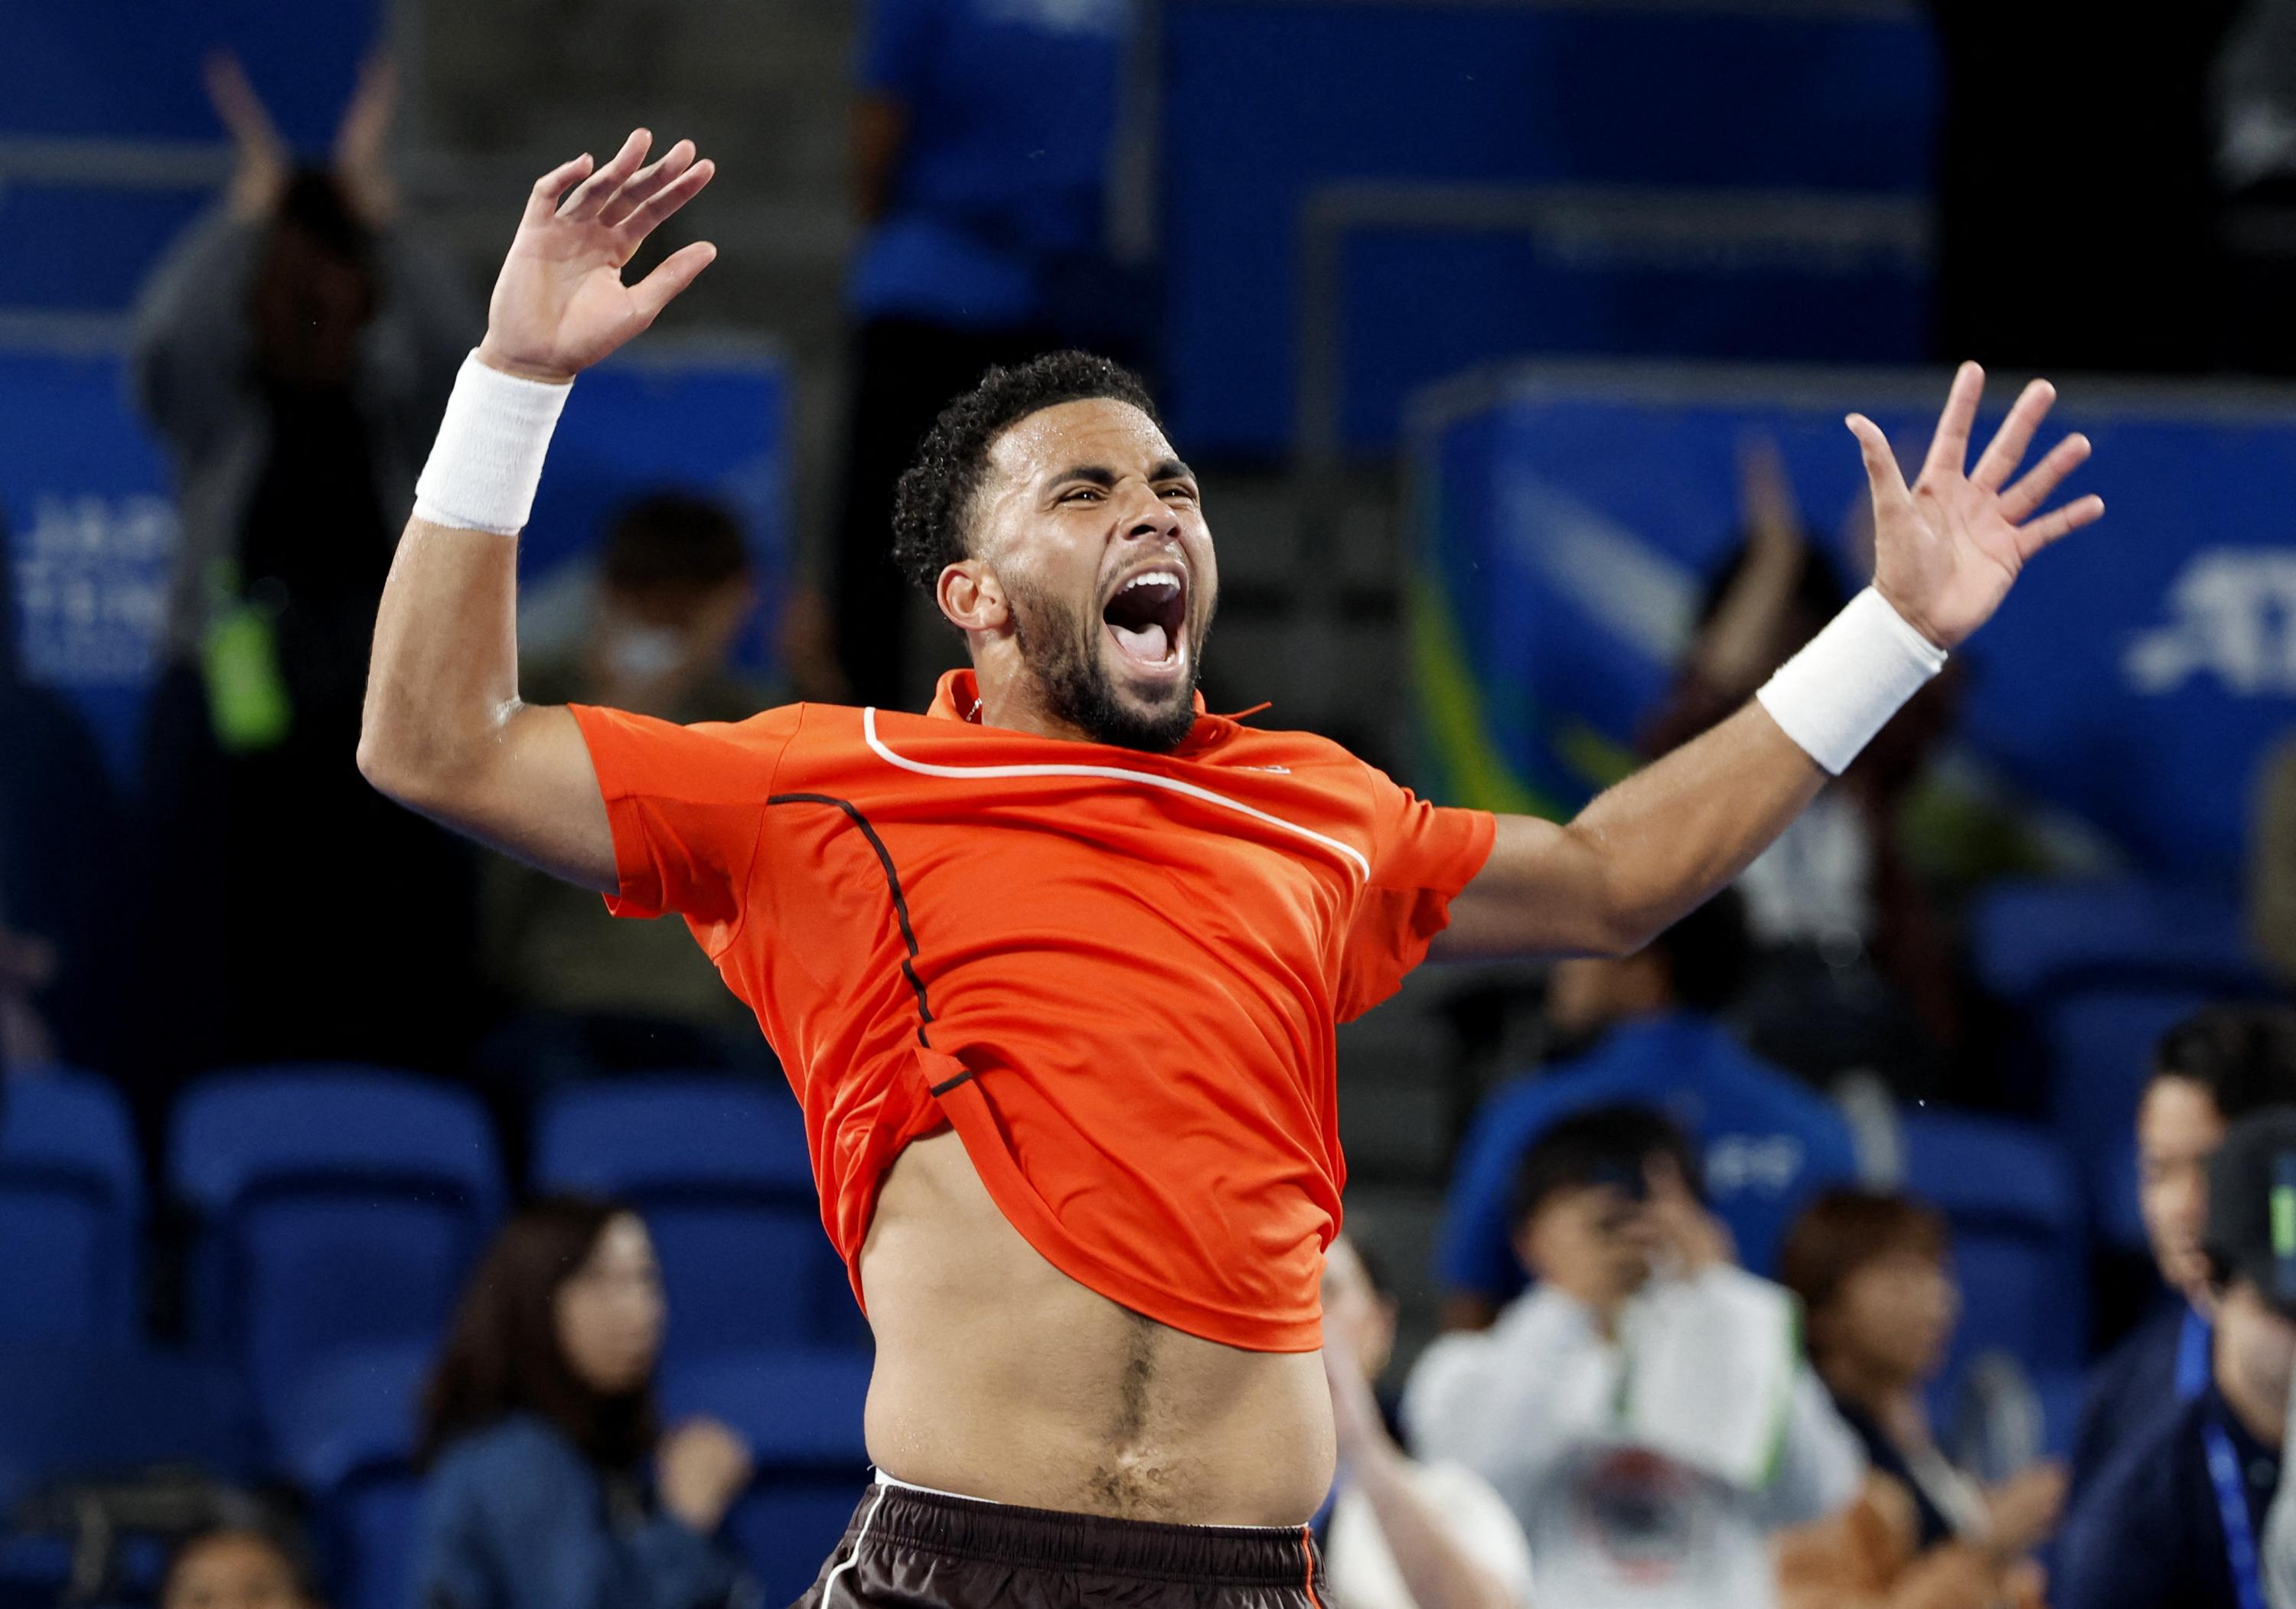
(1117, 773)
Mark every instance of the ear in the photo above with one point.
(973, 598)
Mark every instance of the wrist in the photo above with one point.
(496, 359)
(487, 464)
(1843, 688)
(1913, 618)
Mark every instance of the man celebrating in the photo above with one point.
(1054, 969)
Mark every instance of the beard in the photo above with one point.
(1062, 647)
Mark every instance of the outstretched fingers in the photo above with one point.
(676, 271)
(591, 197)
(1950, 448)
(2022, 501)
(1882, 471)
(2082, 511)
(542, 200)
(670, 198)
(646, 183)
(2006, 450)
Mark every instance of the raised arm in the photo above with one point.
(444, 732)
(1651, 849)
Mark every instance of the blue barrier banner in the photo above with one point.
(1567, 521)
(92, 531)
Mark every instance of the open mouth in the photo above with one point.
(1147, 616)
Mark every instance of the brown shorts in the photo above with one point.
(908, 1549)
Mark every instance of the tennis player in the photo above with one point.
(1054, 967)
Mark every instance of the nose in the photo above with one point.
(1144, 514)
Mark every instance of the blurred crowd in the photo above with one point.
(1696, 1338)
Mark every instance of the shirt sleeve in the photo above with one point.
(1422, 855)
(687, 805)
(1821, 1465)
(897, 49)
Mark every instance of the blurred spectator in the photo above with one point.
(239, 1567)
(1397, 1534)
(61, 923)
(2175, 1518)
(1644, 1031)
(596, 995)
(1857, 967)
(538, 1424)
(2134, 103)
(981, 146)
(1874, 1275)
(294, 351)
(2209, 1070)
(1644, 1409)
(2272, 864)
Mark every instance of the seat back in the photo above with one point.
(719, 1168)
(338, 1208)
(348, 1439)
(69, 1410)
(2009, 1193)
(72, 1205)
(802, 1414)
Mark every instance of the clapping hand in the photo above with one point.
(263, 162)
(1947, 548)
(560, 304)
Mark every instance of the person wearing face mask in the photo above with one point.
(1643, 1409)
(1874, 1274)
(2209, 1071)
(549, 1482)
(1397, 1533)
(2175, 1518)
(238, 1566)
(590, 995)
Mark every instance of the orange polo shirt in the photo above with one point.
(1117, 975)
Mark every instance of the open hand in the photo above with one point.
(1947, 549)
(260, 164)
(560, 304)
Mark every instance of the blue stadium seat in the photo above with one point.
(338, 1206)
(800, 1412)
(2099, 1045)
(72, 1204)
(719, 1168)
(2030, 940)
(2009, 1193)
(69, 1410)
(347, 1439)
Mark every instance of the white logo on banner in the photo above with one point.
(92, 588)
(2233, 616)
(1765, 1162)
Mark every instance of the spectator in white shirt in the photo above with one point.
(1398, 1534)
(1644, 1409)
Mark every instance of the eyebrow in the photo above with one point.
(1100, 475)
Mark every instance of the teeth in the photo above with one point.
(1153, 577)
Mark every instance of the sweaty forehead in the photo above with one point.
(1098, 430)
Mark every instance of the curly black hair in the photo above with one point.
(933, 503)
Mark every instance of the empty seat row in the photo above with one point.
(348, 1443)
(341, 1208)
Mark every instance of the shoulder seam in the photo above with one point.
(757, 838)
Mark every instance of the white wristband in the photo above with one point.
(1851, 677)
(487, 460)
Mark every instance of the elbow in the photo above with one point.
(384, 765)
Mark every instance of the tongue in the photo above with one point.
(1148, 643)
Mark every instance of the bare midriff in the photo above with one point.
(997, 1376)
